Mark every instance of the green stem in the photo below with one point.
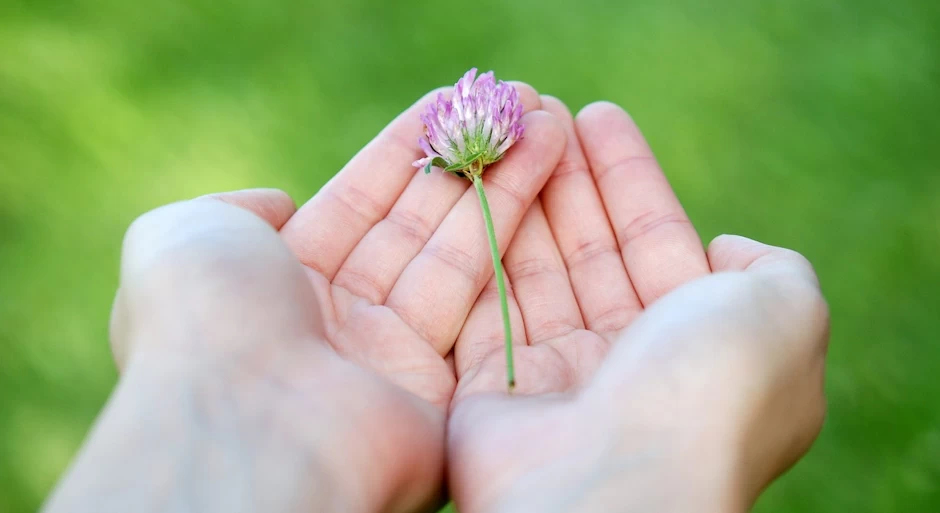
(500, 283)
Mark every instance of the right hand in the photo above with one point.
(651, 373)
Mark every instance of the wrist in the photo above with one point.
(281, 434)
(633, 467)
(175, 437)
(664, 463)
(310, 415)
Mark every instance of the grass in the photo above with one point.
(812, 125)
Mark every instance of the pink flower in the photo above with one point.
(474, 128)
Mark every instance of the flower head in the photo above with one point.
(474, 128)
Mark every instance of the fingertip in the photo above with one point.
(557, 108)
(118, 330)
(601, 110)
(573, 157)
(554, 104)
(542, 119)
(273, 205)
(732, 252)
(532, 160)
(276, 197)
(531, 101)
(608, 134)
(736, 253)
(603, 117)
(545, 128)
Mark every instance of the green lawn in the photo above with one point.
(813, 125)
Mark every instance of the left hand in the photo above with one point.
(231, 397)
(314, 341)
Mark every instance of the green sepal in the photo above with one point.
(435, 162)
(464, 165)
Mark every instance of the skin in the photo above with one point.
(656, 376)
(339, 356)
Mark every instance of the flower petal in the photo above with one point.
(478, 123)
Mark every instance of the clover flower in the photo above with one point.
(474, 128)
(463, 136)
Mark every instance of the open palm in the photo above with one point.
(606, 237)
(397, 258)
(605, 377)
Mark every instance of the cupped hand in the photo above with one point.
(397, 258)
(345, 308)
(651, 374)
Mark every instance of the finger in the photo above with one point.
(483, 332)
(735, 253)
(378, 260)
(327, 227)
(659, 246)
(585, 238)
(272, 205)
(436, 290)
(537, 272)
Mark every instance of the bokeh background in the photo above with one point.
(813, 125)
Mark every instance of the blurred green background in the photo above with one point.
(811, 126)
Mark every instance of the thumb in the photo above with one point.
(272, 205)
(761, 308)
(207, 278)
(740, 353)
(735, 253)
